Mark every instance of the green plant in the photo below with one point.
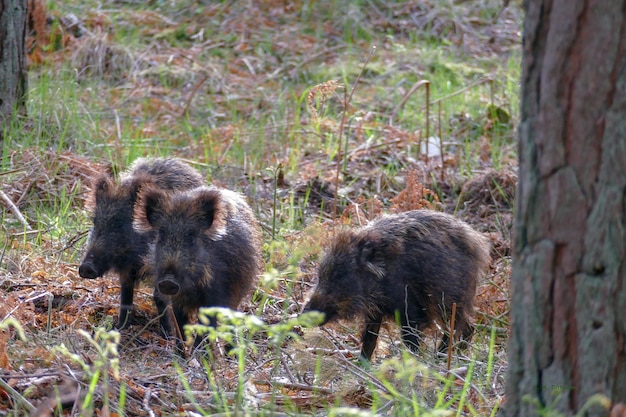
(98, 374)
(192, 80)
(239, 331)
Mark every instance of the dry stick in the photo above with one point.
(462, 90)
(440, 141)
(295, 386)
(402, 102)
(451, 342)
(49, 405)
(306, 61)
(14, 209)
(16, 396)
(193, 93)
(347, 101)
(438, 101)
(170, 312)
(462, 379)
(73, 241)
(146, 402)
(427, 118)
(443, 178)
(406, 97)
(135, 335)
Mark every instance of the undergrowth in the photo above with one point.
(323, 114)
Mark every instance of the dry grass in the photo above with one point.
(233, 103)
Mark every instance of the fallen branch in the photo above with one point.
(14, 209)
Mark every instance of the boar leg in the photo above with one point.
(468, 332)
(217, 298)
(463, 327)
(412, 323)
(171, 330)
(370, 335)
(127, 290)
(445, 342)
(410, 336)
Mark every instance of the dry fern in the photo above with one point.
(413, 197)
(37, 21)
(320, 93)
(362, 211)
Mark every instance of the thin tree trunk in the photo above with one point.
(567, 350)
(13, 82)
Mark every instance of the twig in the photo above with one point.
(290, 385)
(406, 97)
(146, 402)
(17, 396)
(193, 93)
(306, 61)
(49, 405)
(329, 352)
(462, 90)
(35, 376)
(14, 209)
(460, 377)
(286, 368)
(364, 374)
(451, 343)
(180, 343)
(443, 168)
(118, 127)
(36, 297)
(73, 240)
(344, 114)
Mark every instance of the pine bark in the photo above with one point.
(13, 79)
(567, 350)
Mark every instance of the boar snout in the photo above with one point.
(313, 305)
(167, 286)
(88, 270)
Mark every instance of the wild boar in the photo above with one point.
(207, 250)
(113, 244)
(411, 267)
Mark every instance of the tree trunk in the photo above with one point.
(13, 83)
(567, 350)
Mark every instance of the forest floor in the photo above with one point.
(318, 112)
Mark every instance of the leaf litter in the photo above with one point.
(45, 294)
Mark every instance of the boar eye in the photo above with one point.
(189, 237)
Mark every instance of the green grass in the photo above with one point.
(192, 80)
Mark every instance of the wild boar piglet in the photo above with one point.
(113, 244)
(411, 267)
(207, 250)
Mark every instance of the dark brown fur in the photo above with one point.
(113, 243)
(412, 266)
(207, 249)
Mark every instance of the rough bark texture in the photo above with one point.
(12, 60)
(568, 334)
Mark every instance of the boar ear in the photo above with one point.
(370, 255)
(100, 187)
(212, 209)
(137, 183)
(148, 210)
